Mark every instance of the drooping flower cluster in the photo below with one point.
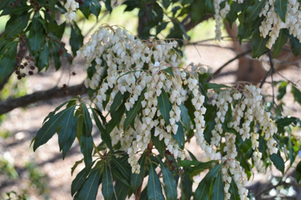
(242, 113)
(71, 6)
(149, 73)
(272, 23)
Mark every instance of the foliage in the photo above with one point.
(147, 107)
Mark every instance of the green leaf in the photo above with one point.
(159, 144)
(170, 186)
(86, 147)
(179, 136)
(185, 117)
(215, 86)
(197, 11)
(115, 118)
(136, 179)
(253, 11)
(55, 48)
(234, 191)
(43, 59)
(122, 167)
(295, 45)
(166, 3)
(212, 173)
(121, 190)
(292, 154)
(90, 188)
(154, 189)
(280, 41)
(87, 121)
(203, 190)
(79, 181)
(258, 44)
(198, 168)
(161, 27)
(297, 94)
(95, 7)
(49, 128)
(280, 8)
(278, 161)
(169, 70)
(108, 5)
(36, 36)
(8, 61)
(71, 139)
(232, 14)
(107, 184)
(17, 10)
(118, 100)
(55, 110)
(66, 127)
(186, 187)
(16, 24)
(131, 114)
(103, 133)
(218, 188)
(282, 90)
(76, 38)
(286, 121)
(298, 172)
(76, 165)
(164, 106)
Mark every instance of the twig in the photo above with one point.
(10, 104)
(224, 65)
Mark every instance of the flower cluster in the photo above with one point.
(219, 15)
(272, 24)
(146, 72)
(71, 6)
(244, 114)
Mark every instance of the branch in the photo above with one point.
(227, 63)
(190, 25)
(10, 104)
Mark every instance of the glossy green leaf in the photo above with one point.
(118, 100)
(232, 14)
(55, 48)
(90, 188)
(16, 24)
(43, 59)
(164, 106)
(278, 161)
(295, 45)
(280, 41)
(185, 117)
(66, 127)
(76, 165)
(298, 172)
(107, 184)
(115, 118)
(234, 191)
(166, 3)
(121, 190)
(253, 11)
(212, 173)
(186, 187)
(198, 168)
(76, 38)
(170, 186)
(218, 188)
(280, 7)
(159, 144)
(203, 190)
(87, 121)
(215, 86)
(8, 61)
(136, 179)
(122, 166)
(197, 11)
(154, 189)
(79, 181)
(36, 36)
(286, 121)
(71, 138)
(132, 113)
(103, 133)
(179, 136)
(86, 147)
(95, 7)
(297, 94)
(292, 154)
(169, 70)
(282, 90)
(52, 113)
(17, 10)
(49, 128)
(258, 44)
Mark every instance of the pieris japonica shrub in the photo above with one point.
(147, 106)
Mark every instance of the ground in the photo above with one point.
(47, 160)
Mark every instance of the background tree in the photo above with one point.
(34, 32)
